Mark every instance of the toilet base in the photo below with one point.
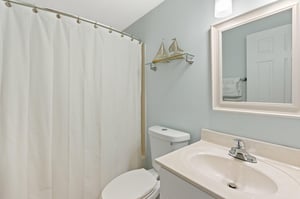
(154, 194)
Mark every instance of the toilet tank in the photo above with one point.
(165, 140)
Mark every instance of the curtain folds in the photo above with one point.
(70, 104)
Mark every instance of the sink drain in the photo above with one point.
(232, 185)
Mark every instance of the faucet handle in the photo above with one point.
(239, 143)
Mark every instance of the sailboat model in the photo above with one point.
(176, 52)
(162, 54)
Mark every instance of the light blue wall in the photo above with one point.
(234, 42)
(179, 95)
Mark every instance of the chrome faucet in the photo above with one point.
(240, 152)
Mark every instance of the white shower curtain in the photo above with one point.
(69, 106)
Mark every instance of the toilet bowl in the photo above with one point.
(135, 184)
(141, 183)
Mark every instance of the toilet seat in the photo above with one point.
(135, 184)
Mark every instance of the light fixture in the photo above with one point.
(223, 8)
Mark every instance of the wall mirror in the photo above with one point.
(255, 61)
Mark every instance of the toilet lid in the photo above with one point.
(130, 185)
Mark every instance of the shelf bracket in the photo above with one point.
(152, 66)
(189, 58)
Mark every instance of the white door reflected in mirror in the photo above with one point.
(269, 66)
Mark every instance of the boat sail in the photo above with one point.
(176, 52)
(162, 55)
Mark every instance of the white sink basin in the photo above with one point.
(234, 174)
(237, 178)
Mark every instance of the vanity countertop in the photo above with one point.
(207, 165)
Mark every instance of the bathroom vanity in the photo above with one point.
(175, 187)
(205, 170)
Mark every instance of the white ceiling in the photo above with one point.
(116, 13)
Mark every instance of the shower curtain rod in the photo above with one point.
(79, 19)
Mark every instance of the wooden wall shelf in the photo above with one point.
(186, 56)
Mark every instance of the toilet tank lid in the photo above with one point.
(168, 134)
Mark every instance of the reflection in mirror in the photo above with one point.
(257, 60)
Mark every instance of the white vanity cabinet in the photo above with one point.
(173, 187)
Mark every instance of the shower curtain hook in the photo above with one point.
(110, 30)
(8, 4)
(96, 25)
(78, 20)
(58, 16)
(35, 10)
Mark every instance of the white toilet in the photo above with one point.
(141, 183)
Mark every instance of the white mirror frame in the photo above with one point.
(279, 109)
